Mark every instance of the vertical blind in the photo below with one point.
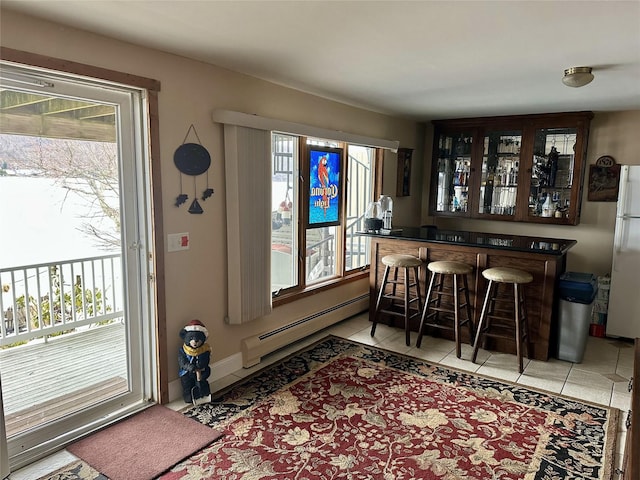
(248, 184)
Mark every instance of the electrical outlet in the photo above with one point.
(177, 241)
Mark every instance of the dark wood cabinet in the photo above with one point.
(523, 168)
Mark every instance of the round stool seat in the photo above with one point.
(507, 275)
(400, 260)
(450, 268)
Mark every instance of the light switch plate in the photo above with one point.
(177, 241)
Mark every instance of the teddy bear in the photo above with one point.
(193, 361)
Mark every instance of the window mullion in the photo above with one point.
(303, 211)
(341, 241)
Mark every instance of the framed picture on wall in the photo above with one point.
(403, 186)
(325, 186)
(604, 178)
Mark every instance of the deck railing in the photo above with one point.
(49, 298)
(357, 254)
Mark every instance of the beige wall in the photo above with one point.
(190, 91)
(611, 133)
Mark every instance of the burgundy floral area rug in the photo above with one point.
(341, 409)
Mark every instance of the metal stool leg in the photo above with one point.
(516, 308)
(468, 309)
(456, 316)
(427, 301)
(525, 323)
(416, 276)
(383, 286)
(407, 315)
(416, 280)
(483, 316)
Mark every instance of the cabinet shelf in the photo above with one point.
(547, 149)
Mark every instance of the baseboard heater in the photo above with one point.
(257, 346)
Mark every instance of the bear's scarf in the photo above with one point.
(194, 352)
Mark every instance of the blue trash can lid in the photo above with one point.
(578, 287)
(578, 277)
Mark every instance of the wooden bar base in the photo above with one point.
(541, 300)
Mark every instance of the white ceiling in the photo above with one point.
(420, 59)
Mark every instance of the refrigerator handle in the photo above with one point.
(619, 233)
(622, 191)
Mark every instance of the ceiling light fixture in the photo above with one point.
(577, 76)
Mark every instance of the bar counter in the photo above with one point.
(544, 258)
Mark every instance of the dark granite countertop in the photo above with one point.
(518, 243)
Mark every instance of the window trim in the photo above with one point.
(290, 295)
(299, 129)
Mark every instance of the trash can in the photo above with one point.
(577, 295)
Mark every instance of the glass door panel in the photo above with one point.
(499, 175)
(552, 172)
(454, 168)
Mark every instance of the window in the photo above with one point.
(330, 252)
(284, 231)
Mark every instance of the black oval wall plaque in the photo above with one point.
(192, 159)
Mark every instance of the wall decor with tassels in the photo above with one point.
(192, 159)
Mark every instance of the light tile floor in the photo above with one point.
(601, 378)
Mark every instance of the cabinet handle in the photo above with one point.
(628, 422)
(630, 386)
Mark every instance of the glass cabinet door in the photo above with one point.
(454, 167)
(552, 173)
(499, 175)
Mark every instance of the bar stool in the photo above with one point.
(406, 263)
(433, 306)
(516, 327)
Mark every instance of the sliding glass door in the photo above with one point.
(76, 333)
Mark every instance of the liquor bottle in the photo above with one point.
(552, 162)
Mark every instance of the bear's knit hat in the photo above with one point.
(197, 326)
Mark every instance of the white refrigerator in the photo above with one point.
(623, 316)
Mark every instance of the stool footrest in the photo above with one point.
(395, 297)
(399, 282)
(498, 335)
(440, 309)
(437, 325)
(444, 326)
(503, 310)
(400, 314)
(507, 319)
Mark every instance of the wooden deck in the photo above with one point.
(44, 381)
